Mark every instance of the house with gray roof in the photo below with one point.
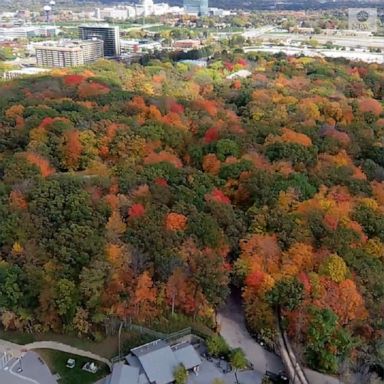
(124, 374)
(186, 355)
(157, 361)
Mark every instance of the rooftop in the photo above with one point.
(123, 374)
(243, 73)
(64, 44)
(101, 25)
(29, 71)
(158, 360)
(186, 355)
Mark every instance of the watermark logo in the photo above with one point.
(362, 19)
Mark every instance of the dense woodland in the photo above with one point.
(133, 193)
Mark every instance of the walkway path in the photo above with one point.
(66, 348)
(232, 328)
(17, 349)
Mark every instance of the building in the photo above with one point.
(242, 74)
(140, 45)
(110, 35)
(123, 374)
(115, 13)
(143, 8)
(186, 45)
(28, 71)
(156, 362)
(28, 32)
(68, 53)
(196, 7)
(148, 7)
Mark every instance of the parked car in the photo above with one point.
(277, 378)
(71, 363)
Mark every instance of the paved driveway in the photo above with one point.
(232, 328)
(208, 372)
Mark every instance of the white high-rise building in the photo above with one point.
(148, 7)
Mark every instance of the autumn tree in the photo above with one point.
(175, 222)
(334, 267)
(72, 149)
(144, 298)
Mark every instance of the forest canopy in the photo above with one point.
(131, 193)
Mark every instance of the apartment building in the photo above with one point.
(68, 53)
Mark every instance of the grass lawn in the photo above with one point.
(17, 337)
(56, 361)
(179, 322)
(108, 347)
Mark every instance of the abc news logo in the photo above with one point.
(362, 19)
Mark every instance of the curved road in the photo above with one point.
(232, 327)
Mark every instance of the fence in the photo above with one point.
(179, 334)
(144, 330)
(159, 335)
(5, 358)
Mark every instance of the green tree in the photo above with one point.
(66, 299)
(225, 148)
(327, 343)
(287, 293)
(217, 346)
(238, 361)
(180, 375)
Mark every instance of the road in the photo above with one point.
(232, 327)
(257, 32)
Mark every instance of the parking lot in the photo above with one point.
(34, 371)
(209, 371)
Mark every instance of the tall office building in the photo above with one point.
(196, 7)
(68, 53)
(109, 34)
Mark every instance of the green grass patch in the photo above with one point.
(132, 340)
(160, 28)
(17, 337)
(57, 361)
(178, 322)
